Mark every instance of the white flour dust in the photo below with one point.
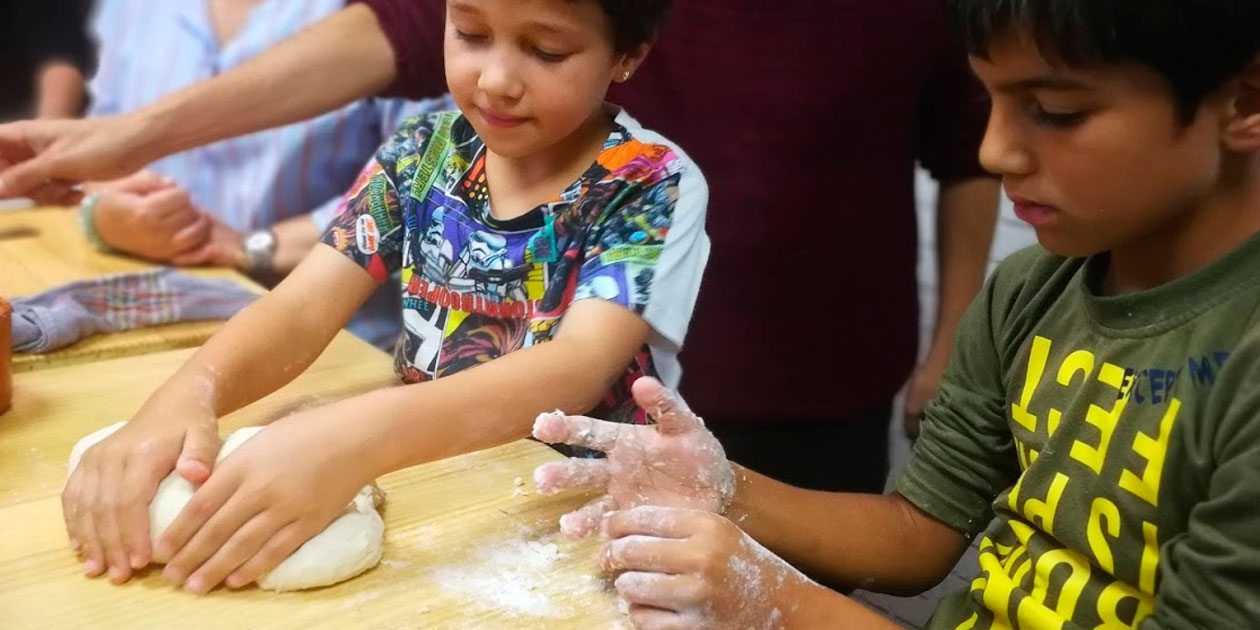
(518, 577)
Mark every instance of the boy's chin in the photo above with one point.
(1067, 247)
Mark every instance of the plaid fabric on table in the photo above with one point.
(63, 315)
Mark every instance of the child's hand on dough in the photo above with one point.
(268, 497)
(105, 502)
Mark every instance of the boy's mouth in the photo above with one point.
(499, 119)
(1032, 212)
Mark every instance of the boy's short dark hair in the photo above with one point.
(1197, 45)
(635, 22)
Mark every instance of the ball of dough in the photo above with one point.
(350, 545)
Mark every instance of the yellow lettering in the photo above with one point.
(969, 623)
(1020, 454)
(1103, 419)
(1103, 511)
(1110, 600)
(1037, 357)
(1023, 533)
(1069, 592)
(1079, 362)
(1035, 615)
(1012, 558)
(1146, 487)
(996, 594)
(1150, 558)
(1053, 418)
(1044, 511)
(1022, 570)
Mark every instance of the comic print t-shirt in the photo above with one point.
(630, 231)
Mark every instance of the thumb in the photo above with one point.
(22, 179)
(201, 447)
(670, 412)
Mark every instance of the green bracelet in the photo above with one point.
(87, 222)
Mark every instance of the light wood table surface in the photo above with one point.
(466, 547)
(42, 248)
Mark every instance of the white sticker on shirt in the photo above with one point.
(366, 235)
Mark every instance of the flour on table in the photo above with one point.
(350, 545)
(519, 578)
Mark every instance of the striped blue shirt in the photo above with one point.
(149, 49)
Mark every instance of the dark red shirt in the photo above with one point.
(807, 118)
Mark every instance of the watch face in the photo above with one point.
(259, 248)
(260, 241)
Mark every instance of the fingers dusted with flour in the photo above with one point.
(675, 462)
(692, 569)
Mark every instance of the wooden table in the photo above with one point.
(465, 546)
(42, 248)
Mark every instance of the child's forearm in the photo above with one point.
(270, 342)
(813, 606)
(868, 541)
(489, 405)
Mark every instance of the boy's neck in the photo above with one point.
(518, 185)
(1217, 225)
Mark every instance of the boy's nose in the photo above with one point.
(1003, 152)
(500, 79)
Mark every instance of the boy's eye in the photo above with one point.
(1056, 120)
(471, 38)
(550, 57)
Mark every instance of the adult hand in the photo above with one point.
(675, 463)
(45, 160)
(151, 218)
(224, 247)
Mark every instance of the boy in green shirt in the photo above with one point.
(1100, 422)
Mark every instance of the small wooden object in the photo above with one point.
(6, 355)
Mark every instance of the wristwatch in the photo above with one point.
(260, 250)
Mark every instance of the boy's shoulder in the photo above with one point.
(1030, 273)
(648, 150)
(1026, 284)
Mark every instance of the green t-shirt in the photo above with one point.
(1110, 444)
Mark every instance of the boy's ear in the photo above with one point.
(1243, 132)
(630, 62)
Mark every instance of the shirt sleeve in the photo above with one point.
(954, 114)
(415, 30)
(1209, 574)
(650, 254)
(965, 454)
(107, 28)
(369, 228)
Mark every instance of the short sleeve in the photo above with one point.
(965, 454)
(369, 228)
(415, 30)
(1209, 575)
(953, 117)
(650, 254)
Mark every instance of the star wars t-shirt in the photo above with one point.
(630, 230)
